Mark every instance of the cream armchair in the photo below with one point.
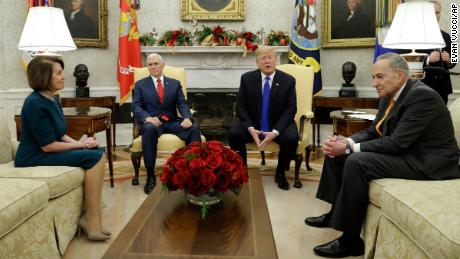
(304, 90)
(167, 143)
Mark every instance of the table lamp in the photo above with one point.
(414, 27)
(46, 30)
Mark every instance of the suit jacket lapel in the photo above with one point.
(154, 92)
(401, 97)
(168, 88)
(398, 102)
(274, 90)
(258, 91)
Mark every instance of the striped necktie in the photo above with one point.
(160, 91)
(389, 108)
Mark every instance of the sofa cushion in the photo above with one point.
(428, 212)
(60, 179)
(376, 188)
(19, 200)
(5, 142)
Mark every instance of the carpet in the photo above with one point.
(125, 170)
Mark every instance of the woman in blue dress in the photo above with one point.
(44, 141)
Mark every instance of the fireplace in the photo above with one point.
(212, 78)
(216, 111)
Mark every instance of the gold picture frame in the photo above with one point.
(212, 10)
(342, 30)
(90, 27)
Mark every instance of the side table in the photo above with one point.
(346, 126)
(103, 101)
(338, 102)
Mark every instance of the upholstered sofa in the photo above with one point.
(414, 219)
(39, 206)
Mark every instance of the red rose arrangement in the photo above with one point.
(204, 169)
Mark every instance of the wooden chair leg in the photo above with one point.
(298, 163)
(262, 153)
(307, 157)
(136, 161)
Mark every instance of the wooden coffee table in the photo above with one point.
(168, 226)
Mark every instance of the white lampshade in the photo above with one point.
(414, 27)
(46, 30)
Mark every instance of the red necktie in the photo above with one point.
(160, 91)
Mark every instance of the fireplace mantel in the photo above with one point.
(202, 49)
(211, 67)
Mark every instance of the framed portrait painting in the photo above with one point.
(87, 21)
(348, 23)
(212, 9)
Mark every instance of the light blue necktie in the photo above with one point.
(264, 125)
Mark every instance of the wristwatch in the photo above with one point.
(348, 149)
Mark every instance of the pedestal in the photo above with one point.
(81, 92)
(348, 91)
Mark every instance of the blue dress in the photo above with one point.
(42, 123)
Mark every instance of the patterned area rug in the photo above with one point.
(124, 169)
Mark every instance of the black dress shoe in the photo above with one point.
(335, 249)
(318, 222)
(282, 183)
(150, 184)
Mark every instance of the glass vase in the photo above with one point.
(203, 200)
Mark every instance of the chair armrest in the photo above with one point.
(193, 112)
(195, 117)
(14, 147)
(308, 115)
(304, 118)
(136, 127)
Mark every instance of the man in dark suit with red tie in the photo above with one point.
(156, 100)
(266, 108)
(412, 137)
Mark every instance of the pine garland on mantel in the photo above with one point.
(217, 36)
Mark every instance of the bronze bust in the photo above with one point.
(81, 75)
(348, 73)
